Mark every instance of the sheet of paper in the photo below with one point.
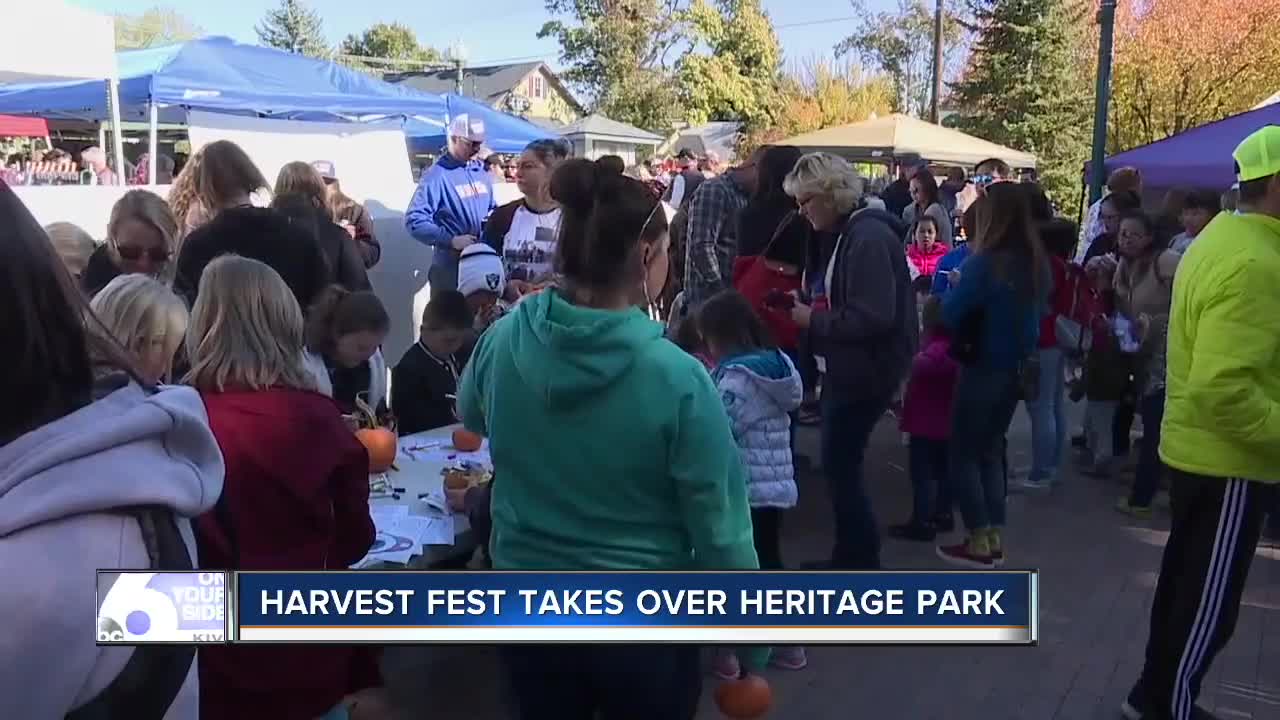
(449, 455)
(391, 542)
(438, 531)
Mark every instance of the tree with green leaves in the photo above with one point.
(387, 47)
(294, 27)
(737, 78)
(153, 28)
(900, 44)
(617, 54)
(1023, 87)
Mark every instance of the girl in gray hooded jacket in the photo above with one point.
(760, 387)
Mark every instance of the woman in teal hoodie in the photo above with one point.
(614, 449)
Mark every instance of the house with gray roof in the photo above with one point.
(530, 90)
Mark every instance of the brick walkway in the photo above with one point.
(1098, 572)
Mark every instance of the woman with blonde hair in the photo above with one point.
(146, 318)
(141, 236)
(296, 495)
(226, 182)
(73, 244)
(300, 195)
(862, 323)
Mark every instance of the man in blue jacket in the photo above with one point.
(452, 202)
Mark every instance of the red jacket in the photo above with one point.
(926, 263)
(297, 497)
(926, 407)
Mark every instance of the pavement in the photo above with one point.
(1097, 575)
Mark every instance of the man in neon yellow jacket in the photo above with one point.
(1220, 437)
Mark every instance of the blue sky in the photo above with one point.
(493, 30)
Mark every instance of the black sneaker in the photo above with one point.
(944, 522)
(914, 531)
(1135, 707)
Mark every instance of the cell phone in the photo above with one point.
(779, 300)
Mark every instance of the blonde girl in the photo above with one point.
(146, 318)
(296, 494)
(73, 244)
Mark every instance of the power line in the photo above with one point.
(806, 23)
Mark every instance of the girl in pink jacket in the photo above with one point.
(926, 418)
(925, 249)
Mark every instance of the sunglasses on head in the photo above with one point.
(156, 255)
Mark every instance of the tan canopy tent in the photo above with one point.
(895, 136)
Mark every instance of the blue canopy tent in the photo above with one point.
(217, 74)
(504, 133)
(220, 75)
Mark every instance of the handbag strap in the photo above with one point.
(777, 233)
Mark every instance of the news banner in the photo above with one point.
(837, 608)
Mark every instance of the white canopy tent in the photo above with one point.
(27, 55)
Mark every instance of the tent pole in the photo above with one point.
(153, 146)
(115, 129)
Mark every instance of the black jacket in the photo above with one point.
(261, 234)
(346, 266)
(420, 386)
(870, 334)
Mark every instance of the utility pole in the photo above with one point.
(935, 112)
(458, 53)
(1098, 173)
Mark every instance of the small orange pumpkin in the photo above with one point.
(746, 698)
(466, 441)
(382, 445)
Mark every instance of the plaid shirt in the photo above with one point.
(711, 243)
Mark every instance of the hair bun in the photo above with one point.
(574, 185)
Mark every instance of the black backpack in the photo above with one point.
(150, 681)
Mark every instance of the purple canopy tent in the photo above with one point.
(1199, 157)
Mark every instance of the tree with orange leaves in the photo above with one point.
(1180, 64)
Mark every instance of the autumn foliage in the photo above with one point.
(1179, 64)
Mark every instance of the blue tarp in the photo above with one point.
(1199, 157)
(220, 75)
(504, 133)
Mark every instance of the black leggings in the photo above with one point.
(766, 524)
(604, 682)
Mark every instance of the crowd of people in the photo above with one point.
(202, 366)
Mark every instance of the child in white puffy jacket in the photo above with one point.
(760, 387)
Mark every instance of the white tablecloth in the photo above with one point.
(419, 474)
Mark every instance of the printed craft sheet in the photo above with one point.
(400, 536)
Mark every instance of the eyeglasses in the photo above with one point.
(984, 180)
(131, 253)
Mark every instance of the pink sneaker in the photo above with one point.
(788, 658)
(726, 666)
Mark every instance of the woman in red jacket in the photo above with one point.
(296, 495)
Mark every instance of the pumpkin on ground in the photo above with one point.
(466, 441)
(746, 698)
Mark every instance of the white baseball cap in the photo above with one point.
(466, 127)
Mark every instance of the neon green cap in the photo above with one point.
(1258, 156)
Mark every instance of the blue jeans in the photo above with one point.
(983, 407)
(930, 490)
(847, 425)
(1146, 480)
(1048, 416)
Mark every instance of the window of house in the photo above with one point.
(535, 86)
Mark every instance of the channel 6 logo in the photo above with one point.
(146, 607)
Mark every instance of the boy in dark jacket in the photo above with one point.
(425, 381)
